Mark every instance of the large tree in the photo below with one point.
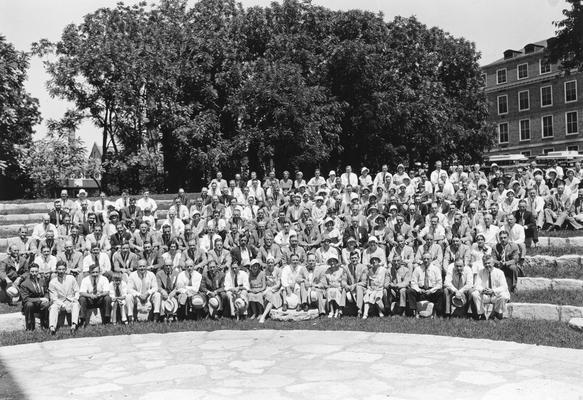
(18, 110)
(182, 91)
(567, 46)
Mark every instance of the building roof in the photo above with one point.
(519, 53)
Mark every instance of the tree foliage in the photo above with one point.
(214, 86)
(567, 46)
(18, 110)
(49, 162)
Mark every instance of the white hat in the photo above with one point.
(182, 298)
(82, 192)
(319, 198)
(12, 291)
(170, 306)
(458, 301)
(197, 301)
(364, 169)
(240, 304)
(292, 300)
(353, 196)
(373, 239)
(332, 173)
(214, 302)
(313, 296)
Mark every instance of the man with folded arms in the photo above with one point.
(143, 288)
(64, 295)
(491, 288)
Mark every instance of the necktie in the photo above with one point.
(84, 217)
(211, 240)
(36, 286)
(489, 280)
(58, 217)
(94, 285)
(168, 282)
(460, 282)
(426, 280)
(117, 290)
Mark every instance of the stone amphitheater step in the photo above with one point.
(528, 283)
(42, 207)
(547, 241)
(9, 224)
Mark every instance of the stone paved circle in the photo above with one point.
(273, 364)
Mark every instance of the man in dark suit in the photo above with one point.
(399, 227)
(57, 215)
(132, 212)
(152, 256)
(528, 221)
(35, 298)
(89, 226)
(12, 268)
(506, 256)
(356, 231)
(120, 237)
(166, 278)
(244, 253)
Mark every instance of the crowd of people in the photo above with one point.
(407, 242)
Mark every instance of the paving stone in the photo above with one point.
(448, 367)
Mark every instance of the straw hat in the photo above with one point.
(170, 306)
(12, 291)
(197, 301)
(292, 300)
(214, 302)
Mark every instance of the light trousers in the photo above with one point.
(155, 299)
(69, 307)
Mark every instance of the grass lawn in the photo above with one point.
(6, 309)
(523, 331)
(554, 251)
(559, 297)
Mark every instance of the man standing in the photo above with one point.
(506, 257)
(64, 295)
(94, 293)
(143, 289)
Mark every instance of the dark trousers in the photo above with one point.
(87, 304)
(530, 235)
(511, 274)
(30, 308)
(436, 298)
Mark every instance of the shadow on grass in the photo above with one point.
(9, 388)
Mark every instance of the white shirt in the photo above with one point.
(144, 203)
(499, 284)
(135, 283)
(104, 262)
(515, 234)
(48, 265)
(184, 283)
(242, 280)
(289, 276)
(87, 284)
(351, 179)
(490, 234)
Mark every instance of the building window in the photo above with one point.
(548, 150)
(571, 123)
(525, 153)
(501, 76)
(570, 91)
(546, 96)
(572, 148)
(547, 126)
(502, 104)
(524, 129)
(522, 71)
(503, 132)
(545, 67)
(523, 101)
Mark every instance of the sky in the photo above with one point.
(494, 25)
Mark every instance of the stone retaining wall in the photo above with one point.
(548, 312)
(560, 242)
(528, 283)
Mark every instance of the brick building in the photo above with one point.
(536, 107)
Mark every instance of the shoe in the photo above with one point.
(52, 331)
(261, 320)
(331, 314)
(336, 314)
(381, 315)
(305, 307)
(364, 316)
(284, 308)
(298, 308)
(253, 316)
(359, 314)
(73, 328)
